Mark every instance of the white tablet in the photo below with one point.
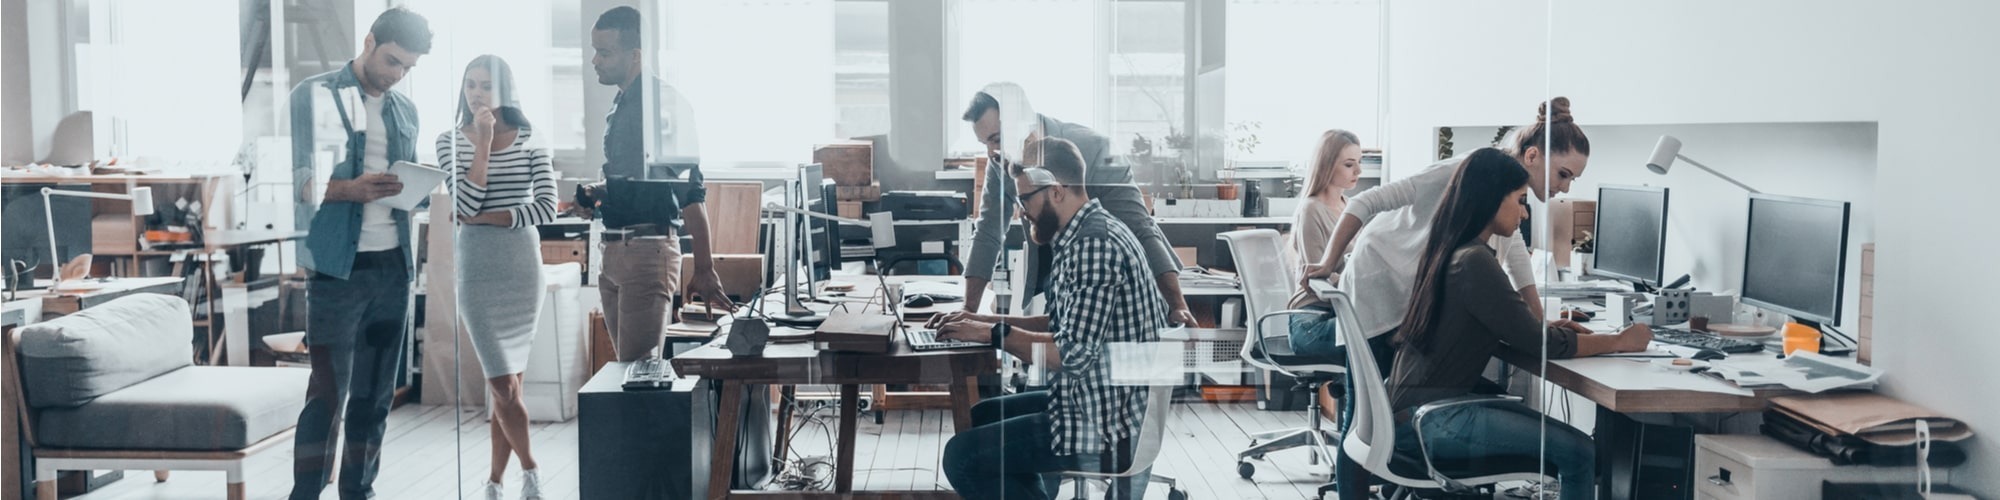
(418, 182)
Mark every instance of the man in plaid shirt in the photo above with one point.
(1101, 293)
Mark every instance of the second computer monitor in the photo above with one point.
(1631, 233)
(1795, 256)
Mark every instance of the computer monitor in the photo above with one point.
(1631, 234)
(814, 196)
(1795, 257)
(26, 228)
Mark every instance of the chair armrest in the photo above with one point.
(1417, 424)
(1257, 337)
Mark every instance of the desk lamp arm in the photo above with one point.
(1690, 161)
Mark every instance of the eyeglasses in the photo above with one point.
(1022, 200)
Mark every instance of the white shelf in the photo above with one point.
(1224, 220)
(1261, 175)
(955, 175)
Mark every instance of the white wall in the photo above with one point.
(1921, 70)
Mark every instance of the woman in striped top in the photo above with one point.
(502, 189)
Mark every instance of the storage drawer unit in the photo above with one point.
(1757, 467)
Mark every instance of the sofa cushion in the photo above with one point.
(193, 408)
(71, 360)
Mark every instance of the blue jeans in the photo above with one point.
(1317, 336)
(356, 330)
(1508, 432)
(1007, 454)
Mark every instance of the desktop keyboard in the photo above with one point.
(926, 340)
(1705, 341)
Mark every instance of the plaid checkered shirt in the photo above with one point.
(1101, 291)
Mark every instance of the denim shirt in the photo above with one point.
(334, 227)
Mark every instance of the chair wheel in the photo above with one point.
(1246, 469)
(1177, 494)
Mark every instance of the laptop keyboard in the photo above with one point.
(926, 340)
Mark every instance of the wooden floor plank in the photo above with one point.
(426, 444)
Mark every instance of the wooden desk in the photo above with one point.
(800, 363)
(56, 304)
(231, 299)
(1614, 385)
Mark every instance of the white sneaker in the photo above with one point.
(493, 492)
(531, 485)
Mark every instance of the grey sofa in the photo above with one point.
(114, 387)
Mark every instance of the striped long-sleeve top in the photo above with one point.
(519, 179)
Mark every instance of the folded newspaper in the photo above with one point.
(1802, 371)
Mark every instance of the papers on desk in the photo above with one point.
(1627, 374)
(1802, 371)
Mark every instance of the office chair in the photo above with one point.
(1268, 280)
(1371, 439)
(1152, 434)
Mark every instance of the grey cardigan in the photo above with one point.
(1110, 185)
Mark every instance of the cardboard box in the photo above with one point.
(601, 349)
(849, 209)
(870, 192)
(1569, 220)
(848, 163)
(566, 251)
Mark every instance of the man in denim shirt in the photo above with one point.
(347, 128)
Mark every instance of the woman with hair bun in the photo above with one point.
(1386, 229)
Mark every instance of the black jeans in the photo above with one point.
(356, 329)
(1007, 454)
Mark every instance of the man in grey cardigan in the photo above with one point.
(1111, 186)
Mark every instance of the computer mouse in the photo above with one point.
(1710, 355)
(917, 301)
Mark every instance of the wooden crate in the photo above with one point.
(848, 163)
(566, 251)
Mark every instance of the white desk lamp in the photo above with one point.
(142, 205)
(1669, 148)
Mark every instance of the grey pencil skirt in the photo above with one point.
(499, 294)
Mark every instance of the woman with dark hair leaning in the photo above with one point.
(1463, 310)
(1385, 229)
(503, 187)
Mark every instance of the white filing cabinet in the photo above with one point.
(1757, 467)
(558, 363)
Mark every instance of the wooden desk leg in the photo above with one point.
(722, 461)
(843, 476)
(964, 393)
(785, 407)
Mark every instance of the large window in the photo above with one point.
(1299, 67)
(1148, 69)
(187, 113)
(861, 67)
(1049, 47)
(768, 98)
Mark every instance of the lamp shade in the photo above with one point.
(882, 229)
(1663, 155)
(142, 201)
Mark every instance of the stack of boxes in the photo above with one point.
(851, 165)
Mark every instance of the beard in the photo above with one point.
(1044, 227)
